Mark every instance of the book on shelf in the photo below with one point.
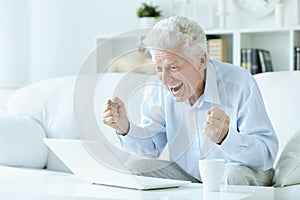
(265, 60)
(243, 58)
(217, 49)
(250, 60)
(297, 58)
(256, 60)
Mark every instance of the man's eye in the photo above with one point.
(173, 68)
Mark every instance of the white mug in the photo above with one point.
(212, 171)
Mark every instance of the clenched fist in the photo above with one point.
(114, 115)
(217, 125)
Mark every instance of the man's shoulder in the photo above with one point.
(233, 74)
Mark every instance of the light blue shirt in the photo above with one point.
(251, 139)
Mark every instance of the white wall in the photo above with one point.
(64, 31)
(238, 19)
(14, 43)
(49, 38)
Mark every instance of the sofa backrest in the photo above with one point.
(281, 95)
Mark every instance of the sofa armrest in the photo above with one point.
(21, 142)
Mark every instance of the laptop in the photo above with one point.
(84, 165)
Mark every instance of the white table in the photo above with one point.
(18, 183)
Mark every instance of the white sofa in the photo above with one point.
(45, 109)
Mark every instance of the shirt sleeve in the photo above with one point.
(253, 141)
(148, 138)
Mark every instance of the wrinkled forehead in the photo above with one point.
(166, 57)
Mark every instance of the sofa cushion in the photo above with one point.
(21, 142)
(50, 102)
(135, 61)
(287, 170)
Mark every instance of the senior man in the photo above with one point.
(206, 109)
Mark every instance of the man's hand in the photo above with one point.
(114, 115)
(217, 125)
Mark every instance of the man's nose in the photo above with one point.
(165, 76)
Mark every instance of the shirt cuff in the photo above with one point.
(128, 137)
(230, 144)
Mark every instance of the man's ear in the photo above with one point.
(203, 60)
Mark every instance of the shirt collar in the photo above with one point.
(211, 93)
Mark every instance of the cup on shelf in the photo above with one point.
(212, 172)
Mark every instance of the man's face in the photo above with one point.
(183, 80)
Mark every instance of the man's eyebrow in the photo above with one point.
(170, 62)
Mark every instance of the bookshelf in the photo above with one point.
(280, 42)
(275, 41)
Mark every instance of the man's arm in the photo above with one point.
(252, 141)
(148, 138)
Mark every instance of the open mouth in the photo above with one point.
(175, 88)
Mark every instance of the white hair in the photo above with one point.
(180, 35)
